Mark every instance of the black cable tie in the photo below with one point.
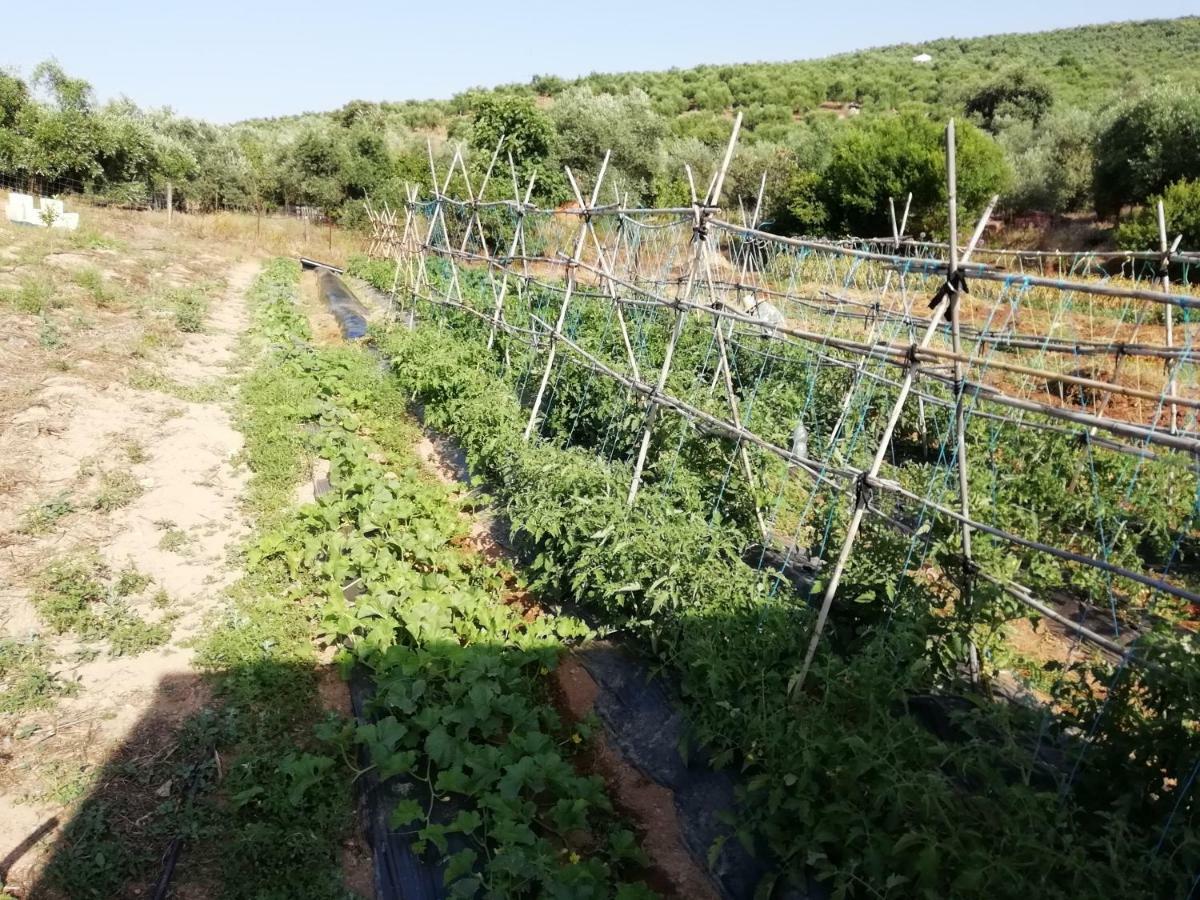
(862, 490)
(910, 357)
(955, 284)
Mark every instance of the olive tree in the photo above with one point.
(888, 156)
(1150, 141)
(589, 124)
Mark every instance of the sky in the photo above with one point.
(225, 60)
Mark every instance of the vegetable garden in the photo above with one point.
(915, 539)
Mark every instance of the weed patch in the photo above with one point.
(175, 540)
(26, 680)
(190, 309)
(100, 290)
(117, 490)
(42, 517)
(49, 336)
(77, 596)
(205, 392)
(32, 297)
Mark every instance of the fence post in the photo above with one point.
(700, 219)
(562, 311)
(1169, 312)
(170, 200)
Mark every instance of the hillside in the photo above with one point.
(1086, 67)
(1058, 122)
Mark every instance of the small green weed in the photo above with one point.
(26, 682)
(41, 517)
(131, 582)
(93, 281)
(65, 782)
(176, 540)
(191, 309)
(117, 489)
(129, 634)
(49, 337)
(33, 296)
(135, 452)
(70, 592)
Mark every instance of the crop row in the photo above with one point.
(876, 777)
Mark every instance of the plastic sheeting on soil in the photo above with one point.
(350, 314)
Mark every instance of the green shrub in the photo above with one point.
(1151, 141)
(191, 309)
(1181, 208)
(889, 156)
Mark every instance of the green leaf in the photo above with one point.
(460, 864)
(406, 813)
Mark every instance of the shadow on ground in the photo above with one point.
(207, 807)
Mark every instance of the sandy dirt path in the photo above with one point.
(178, 531)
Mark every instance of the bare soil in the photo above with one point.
(116, 389)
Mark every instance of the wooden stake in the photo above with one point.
(960, 428)
(1170, 312)
(700, 247)
(562, 312)
(518, 237)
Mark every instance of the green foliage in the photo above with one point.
(1014, 94)
(1052, 162)
(1181, 209)
(528, 133)
(1149, 142)
(277, 822)
(589, 124)
(460, 704)
(844, 780)
(892, 155)
(26, 681)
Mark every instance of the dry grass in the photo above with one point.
(265, 236)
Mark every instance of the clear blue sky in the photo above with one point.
(226, 60)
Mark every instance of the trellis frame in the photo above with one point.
(700, 294)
